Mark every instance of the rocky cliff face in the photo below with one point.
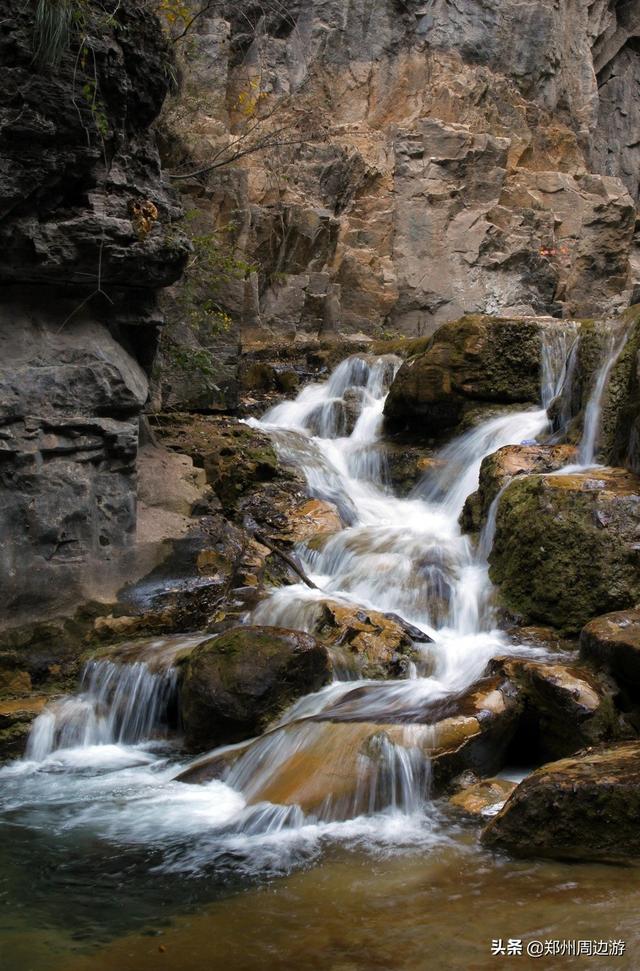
(436, 158)
(86, 238)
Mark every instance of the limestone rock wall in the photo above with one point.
(86, 238)
(451, 157)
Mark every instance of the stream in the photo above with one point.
(110, 861)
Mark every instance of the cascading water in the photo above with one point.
(352, 759)
(558, 360)
(117, 704)
(588, 446)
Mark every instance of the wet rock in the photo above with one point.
(619, 429)
(566, 708)
(16, 717)
(213, 765)
(474, 730)
(254, 487)
(373, 644)
(313, 519)
(272, 370)
(581, 808)
(566, 547)
(500, 467)
(354, 755)
(49, 652)
(329, 420)
(468, 731)
(472, 360)
(159, 654)
(235, 684)
(333, 771)
(353, 402)
(405, 465)
(483, 798)
(613, 642)
(547, 638)
(211, 576)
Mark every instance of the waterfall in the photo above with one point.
(558, 346)
(117, 704)
(356, 754)
(588, 446)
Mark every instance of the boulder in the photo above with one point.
(477, 732)
(508, 462)
(477, 359)
(209, 576)
(567, 547)
(581, 808)
(566, 708)
(355, 750)
(235, 684)
(313, 518)
(613, 642)
(363, 643)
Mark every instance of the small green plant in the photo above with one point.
(96, 106)
(213, 263)
(196, 315)
(190, 359)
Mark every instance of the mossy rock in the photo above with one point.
(581, 808)
(477, 359)
(613, 642)
(567, 547)
(234, 685)
(504, 464)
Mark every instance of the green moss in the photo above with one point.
(477, 359)
(406, 347)
(562, 555)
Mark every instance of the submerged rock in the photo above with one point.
(235, 684)
(483, 798)
(376, 746)
(582, 808)
(613, 641)
(474, 360)
(567, 547)
(405, 465)
(314, 518)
